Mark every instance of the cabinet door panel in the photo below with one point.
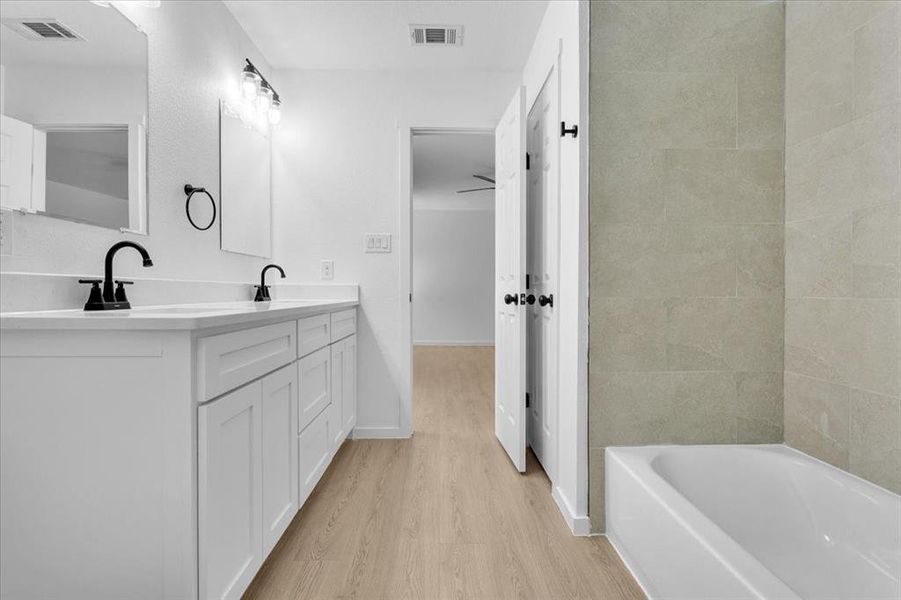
(338, 357)
(279, 443)
(230, 492)
(344, 323)
(313, 333)
(228, 360)
(314, 452)
(349, 385)
(314, 383)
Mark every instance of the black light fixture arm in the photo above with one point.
(253, 69)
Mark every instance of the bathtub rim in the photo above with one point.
(745, 568)
(671, 500)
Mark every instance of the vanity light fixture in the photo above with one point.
(260, 103)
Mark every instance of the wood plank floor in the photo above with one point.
(442, 515)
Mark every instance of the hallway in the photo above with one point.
(444, 515)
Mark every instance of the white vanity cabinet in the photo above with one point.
(265, 446)
(279, 454)
(183, 445)
(247, 480)
(344, 387)
(230, 492)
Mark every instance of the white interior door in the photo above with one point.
(510, 266)
(543, 140)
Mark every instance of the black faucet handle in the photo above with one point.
(120, 290)
(95, 297)
(262, 294)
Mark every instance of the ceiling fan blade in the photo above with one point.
(474, 190)
(483, 178)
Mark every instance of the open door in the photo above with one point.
(510, 268)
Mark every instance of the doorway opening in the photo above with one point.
(484, 238)
(452, 256)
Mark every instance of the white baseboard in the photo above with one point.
(380, 433)
(446, 343)
(580, 525)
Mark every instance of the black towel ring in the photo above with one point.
(190, 190)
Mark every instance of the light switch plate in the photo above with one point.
(377, 242)
(327, 269)
(6, 232)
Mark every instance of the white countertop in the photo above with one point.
(172, 317)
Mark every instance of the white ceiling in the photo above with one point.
(445, 163)
(110, 39)
(374, 34)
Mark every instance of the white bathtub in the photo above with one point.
(725, 522)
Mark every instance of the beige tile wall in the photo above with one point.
(843, 235)
(687, 200)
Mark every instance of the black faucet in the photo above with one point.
(263, 289)
(110, 299)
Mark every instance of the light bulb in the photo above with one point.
(264, 99)
(275, 112)
(250, 84)
(262, 123)
(247, 112)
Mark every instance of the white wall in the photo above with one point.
(336, 176)
(565, 26)
(196, 51)
(453, 276)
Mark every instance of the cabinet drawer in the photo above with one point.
(344, 323)
(314, 454)
(232, 359)
(313, 333)
(314, 386)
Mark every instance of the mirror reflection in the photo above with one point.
(74, 113)
(245, 172)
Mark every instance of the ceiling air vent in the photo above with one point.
(42, 29)
(436, 35)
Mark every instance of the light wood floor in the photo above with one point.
(443, 515)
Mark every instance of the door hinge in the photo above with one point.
(528, 400)
(528, 161)
(411, 296)
(573, 131)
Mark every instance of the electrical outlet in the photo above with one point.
(6, 232)
(327, 269)
(377, 242)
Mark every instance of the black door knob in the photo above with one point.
(530, 299)
(546, 300)
(511, 299)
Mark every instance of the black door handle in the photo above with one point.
(528, 299)
(546, 300)
(511, 299)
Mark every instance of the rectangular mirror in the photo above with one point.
(73, 98)
(245, 199)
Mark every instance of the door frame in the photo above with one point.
(404, 245)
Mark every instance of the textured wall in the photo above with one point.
(843, 236)
(196, 50)
(336, 177)
(686, 311)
